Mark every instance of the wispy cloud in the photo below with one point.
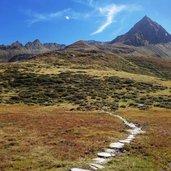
(109, 12)
(35, 17)
(67, 14)
(97, 10)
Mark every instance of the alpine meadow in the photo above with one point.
(85, 85)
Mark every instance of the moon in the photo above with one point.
(67, 17)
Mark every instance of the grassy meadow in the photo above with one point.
(51, 119)
(52, 138)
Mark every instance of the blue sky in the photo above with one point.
(66, 21)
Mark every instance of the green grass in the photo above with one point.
(86, 91)
(150, 66)
(155, 144)
(132, 162)
(83, 83)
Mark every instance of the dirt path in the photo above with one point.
(114, 148)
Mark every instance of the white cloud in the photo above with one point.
(105, 9)
(67, 14)
(38, 17)
(109, 12)
(97, 11)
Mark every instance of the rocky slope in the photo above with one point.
(143, 33)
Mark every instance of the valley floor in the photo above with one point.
(51, 119)
(52, 138)
(55, 138)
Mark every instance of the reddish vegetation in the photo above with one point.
(61, 135)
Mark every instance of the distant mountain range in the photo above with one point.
(36, 44)
(146, 38)
(17, 51)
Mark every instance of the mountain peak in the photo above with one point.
(37, 41)
(36, 44)
(146, 18)
(145, 32)
(16, 44)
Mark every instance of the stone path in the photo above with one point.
(114, 148)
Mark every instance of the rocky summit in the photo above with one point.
(145, 32)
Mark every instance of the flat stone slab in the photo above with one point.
(78, 169)
(109, 150)
(131, 137)
(131, 125)
(134, 131)
(107, 154)
(127, 141)
(104, 154)
(117, 145)
(100, 160)
(96, 166)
